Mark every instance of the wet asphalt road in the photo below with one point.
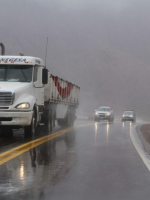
(96, 161)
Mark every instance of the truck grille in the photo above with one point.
(6, 98)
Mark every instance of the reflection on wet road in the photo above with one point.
(9, 141)
(91, 162)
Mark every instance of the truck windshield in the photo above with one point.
(16, 73)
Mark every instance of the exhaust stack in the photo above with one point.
(2, 49)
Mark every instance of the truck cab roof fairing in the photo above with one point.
(24, 60)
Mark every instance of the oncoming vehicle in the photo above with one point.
(128, 115)
(104, 113)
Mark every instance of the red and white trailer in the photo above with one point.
(61, 91)
(62, 98)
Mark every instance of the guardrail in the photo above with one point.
(85, 118)
(91, 118)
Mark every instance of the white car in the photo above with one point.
(104, 113)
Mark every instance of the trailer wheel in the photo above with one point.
(48, 122)
(69, 118)
(29, 131)
(72, 117)
(61, 122)
(53, 119)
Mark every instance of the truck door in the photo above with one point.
(38, 86)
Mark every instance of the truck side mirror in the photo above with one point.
(45, 76)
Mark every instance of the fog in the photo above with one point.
(101, 45)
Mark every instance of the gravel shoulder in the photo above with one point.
(145, 131)
(144, 135)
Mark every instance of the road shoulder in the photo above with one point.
(143, 132)
(140, 144)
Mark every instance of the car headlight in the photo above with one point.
(23, 106)
(123, 115)
(131, 115)
(96, 113)
(108, 114)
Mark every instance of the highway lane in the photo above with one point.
(94, 161)
(9, 140)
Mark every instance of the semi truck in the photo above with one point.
(30, 96)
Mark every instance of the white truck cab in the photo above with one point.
(21, 89)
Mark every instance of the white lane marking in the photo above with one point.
(138, 146)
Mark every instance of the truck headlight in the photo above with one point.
(107, 114)
(23, 106)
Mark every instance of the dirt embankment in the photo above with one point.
(145, 129)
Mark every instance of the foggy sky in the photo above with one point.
(101, 45)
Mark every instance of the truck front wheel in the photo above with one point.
(29, 131)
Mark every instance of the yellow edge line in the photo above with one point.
(8, 155)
